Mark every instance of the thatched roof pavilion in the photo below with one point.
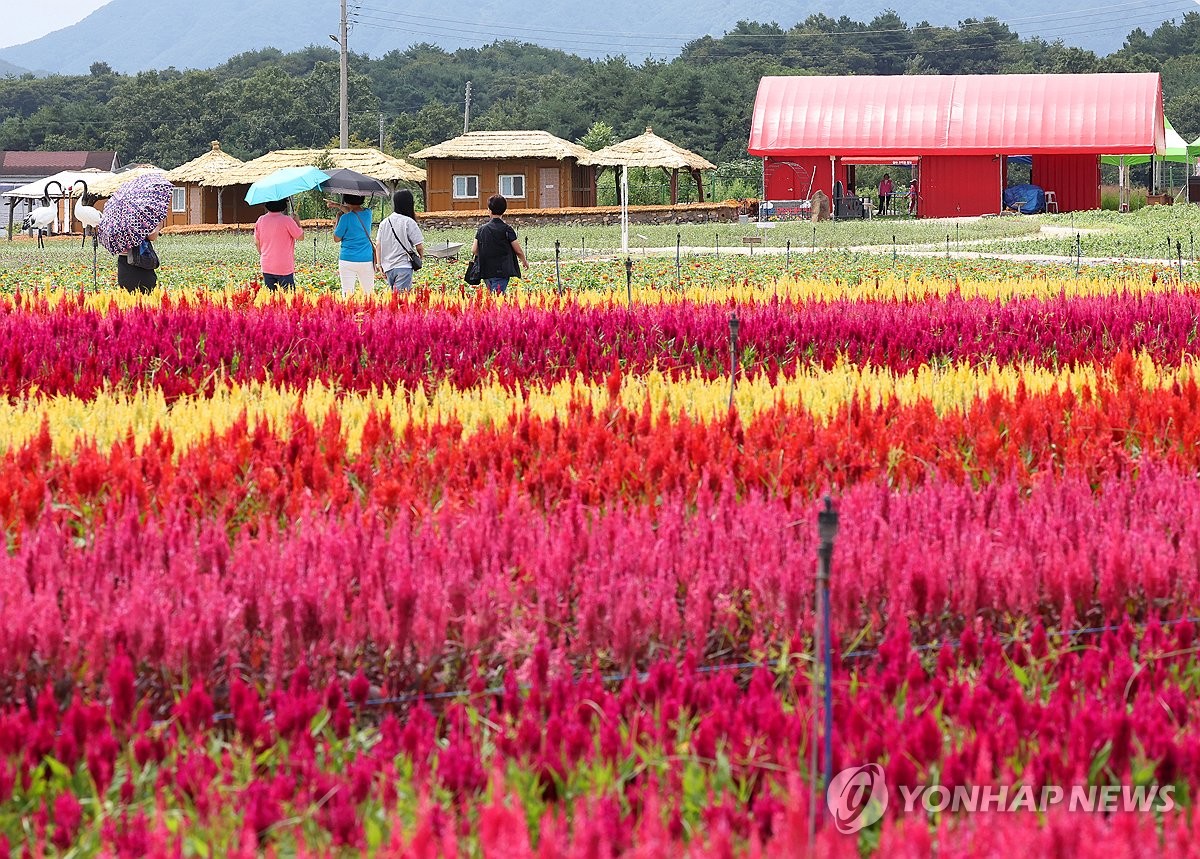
(369, 162)
(203, 170)
(487, 145)
(650, 150)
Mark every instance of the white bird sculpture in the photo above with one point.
(85, 213)
(42, 217)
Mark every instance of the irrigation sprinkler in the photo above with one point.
(1078, 252)
(629, 280)
(557, 270)
(957, 237)
(893, 250)
(583, 247)
(314, 251)
(734, 325)
(947, 246)
(718, 244)
(787, 256)
(814, 242)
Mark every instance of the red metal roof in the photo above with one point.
(34, 163)
(958, 114)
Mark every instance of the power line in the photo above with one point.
(1093, 12)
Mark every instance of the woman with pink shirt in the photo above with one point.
(276, 235)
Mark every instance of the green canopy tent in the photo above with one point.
(1178, 151)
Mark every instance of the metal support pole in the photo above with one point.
(893, 250)
(947, 246)
(678, 265)
(557, 270)
(1078, 251)
(814, 240)
(1179, 257)
(629, 280)
(314, 251)
(734, 325)
(718, 244)
(787, 256)
(827, 528)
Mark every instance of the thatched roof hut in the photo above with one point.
(104, 187)
(532, 169)
(203, 170)
(486, 145)
(369, 162)
(649, 150)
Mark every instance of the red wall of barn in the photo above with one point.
(1074, 179)
(953, 185)
(791, 177)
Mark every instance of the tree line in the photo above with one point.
(702, 99)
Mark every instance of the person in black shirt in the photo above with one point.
(497, 248)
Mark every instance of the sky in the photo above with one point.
(24, 22)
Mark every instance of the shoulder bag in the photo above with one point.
(143, 256)
(414, 258)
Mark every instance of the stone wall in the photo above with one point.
(684, 213)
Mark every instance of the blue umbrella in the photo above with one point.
(283, 183)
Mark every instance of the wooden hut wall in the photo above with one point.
(549, 183)
(200, 206)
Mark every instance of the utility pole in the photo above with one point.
(467, 109)
(381, 132)
(344, 116)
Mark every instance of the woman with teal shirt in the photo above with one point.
(356, 259)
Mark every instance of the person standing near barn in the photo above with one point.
(885, 193)
(275, 235)
(497, 249)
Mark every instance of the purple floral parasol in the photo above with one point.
(134, 211)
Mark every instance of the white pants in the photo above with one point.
(363, 272)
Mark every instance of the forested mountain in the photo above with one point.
(132, 36)
(702, 99)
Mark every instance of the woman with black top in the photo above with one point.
(497, 249)
(134, 278)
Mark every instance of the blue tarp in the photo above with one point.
(1027, 199)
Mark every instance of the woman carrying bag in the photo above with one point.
(401, 244)
(500, 255)
(356, 258)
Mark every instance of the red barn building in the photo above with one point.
(956, 130)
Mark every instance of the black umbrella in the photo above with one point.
(350, 182)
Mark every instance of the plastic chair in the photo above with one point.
(1051, 200)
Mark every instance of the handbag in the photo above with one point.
(472, 275)
(143, 256)
(414, 258)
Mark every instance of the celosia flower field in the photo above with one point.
(450, 575)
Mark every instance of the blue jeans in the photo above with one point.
(399, 279)
(271, 281)
(497, 284)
